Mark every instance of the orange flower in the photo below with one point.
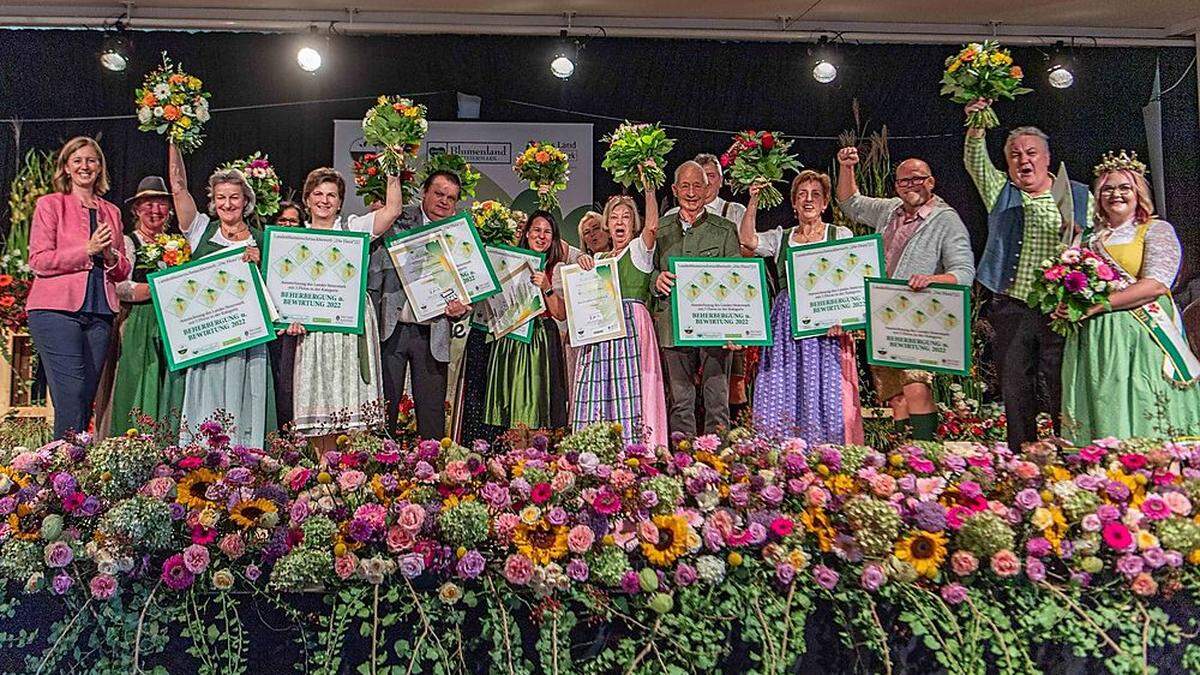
(1015, 71)
(148, 99)
(542, 157)
(968, 55)
(171, 113)
(5, 280)
(177, 78)
(7, 301)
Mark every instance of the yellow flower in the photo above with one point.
(194, 83)
(1041, 518)
(192, 488)
(184, 122)
(798, 558)
(209, 517)
(1194, 556)
(841, 484)
(247, 512)
(411, 112)
(1145, 539)
(673, 536)
(815, 521)
(530, 515)
(925, 551)
(541, 542)
(735, 559)
(955, 65)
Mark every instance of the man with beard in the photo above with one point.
(924, 242)
(1025, 227)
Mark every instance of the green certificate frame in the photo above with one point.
(909, 329)
(754, 269)
(316, 325)
(176, 278)
(524, 333)
(832, 275)
(477, 255)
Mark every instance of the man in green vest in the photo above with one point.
(693, 231)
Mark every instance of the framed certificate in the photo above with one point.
(593, 300)
(427, 272)
(468, 253)
(928, 329)
(717, 301)
(210, 307)
(512, 311)
(825, 283)
(317, 277)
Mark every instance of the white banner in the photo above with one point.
(490, 147)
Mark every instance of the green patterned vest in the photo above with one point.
(635, 284)
(781, 258)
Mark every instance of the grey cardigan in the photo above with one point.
(387, 293)
(941, 245)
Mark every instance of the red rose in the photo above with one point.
(725, 161)
(768, 141)
(7, 301)
(751, 144)
(372, 171)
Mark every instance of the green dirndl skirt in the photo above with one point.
(140, 371)
(526, 383)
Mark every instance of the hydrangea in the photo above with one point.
(876, 525)
(1180, 534)
(984, 533)
(139, 521)
(608, 565)
(121, 465)
(668, 490)
(854, 456)
(465, 523)
(602, 440)
(1080, 503)
(18, 559)
(300, 569)
(318, 531)
(710, 569)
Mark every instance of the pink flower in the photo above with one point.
(920, 464)
(1092, 454)
(297, 478)
(412, 516)
(580, 539)
(1117, 536)
(344, 566)
(1144, 585)
(954, 594)
(963, 563)
(518, 569)
(458, 471)
(1178, 503)
(542, 492)
(232, 545)
(175, 574)
(782, 527)
(505, 525)
(1105, 272)
(58, 554)
(103, 586)
(1054, 273)
(195, 558)
(398, 539)
(955, 516)
(647, 531)
(1132, 461)
(1075, 282)
(606, 502)
(1155, 507)
(1005, 563)
(707, 443)
(872, 577)
(351, 479)
(157, 488)
(825, 577)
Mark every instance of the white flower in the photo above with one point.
(162, 90)
(1092, 262)
(202, 114)
(145, 114)
(158, 112)
(1070, 256)
(424, 125)
(187, 110)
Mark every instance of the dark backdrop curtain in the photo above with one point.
(708, 84)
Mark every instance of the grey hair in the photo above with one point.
(707, 159)
(231, 177)
(694, 164)
(1026, 131)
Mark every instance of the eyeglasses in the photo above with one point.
(1123, 188)
(287, 221)
(911, 181)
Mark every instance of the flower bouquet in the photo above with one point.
(15, 280)
(397, 125)
(170, 102)
(1076, 279)
(497, 224)
(982, 71)
(758, 157)
(167, 250)
(635, 149)
(546, 169)
(263, 180)
(370, 181)
(468, 177)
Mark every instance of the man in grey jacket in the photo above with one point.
(406, 343)
(924, 242)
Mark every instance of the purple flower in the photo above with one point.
(1129, 565)
(785, 573)
(771, 495)
(470, 565)
(90, 506)
(1081, 578)
(423, 470)
(1154, 557)
(64, 484)
(58, 554)
(1173, 559)
(1116, 491)
(253, 572)
(685, 575)
(175, 575)
(239, 476)
(630, 582)
(577, 570)
(648, 499)
(540, 442)
(1108, 512)
(1075, 282)
(1029, 499)
(825, 577)
(178, 511)
(411, 565)
(1035, 569)
(929, 516)
(831, 458)
(7, 505)
(360, 529)
(557, 515)
(872, 577)
(1038, 547)
(495, 495)
(61, 583)
(954, 594)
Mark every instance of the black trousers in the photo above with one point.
(408, 348)
(72, 347)
(1026, 351)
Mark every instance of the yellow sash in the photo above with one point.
(1129, 255)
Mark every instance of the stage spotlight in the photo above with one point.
(824, 70)
(115, 52)
(1060, 77)
(562, 64)
(308, 59)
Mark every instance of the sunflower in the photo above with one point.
(816, 521)
(673, 540)
(925, 551)
(248, 511)
(194, 486)
(24, 523)
(541, 542)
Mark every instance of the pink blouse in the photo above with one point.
(58, 253)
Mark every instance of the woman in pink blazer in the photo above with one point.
(77, 257)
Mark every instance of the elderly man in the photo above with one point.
(692, 231)
(1024, 228)
(731, 211)
(406, 343)
(924, 242)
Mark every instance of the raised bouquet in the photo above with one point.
(636, 149)
(468, 177)
(982, 70)
(397, 126)
(167, 250)
(546, 169)
(759, 158)
(370, 181)
(1076, 279)
(263, 181)
(497, 224)
(172, 103)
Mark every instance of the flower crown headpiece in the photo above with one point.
(1111, 161)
